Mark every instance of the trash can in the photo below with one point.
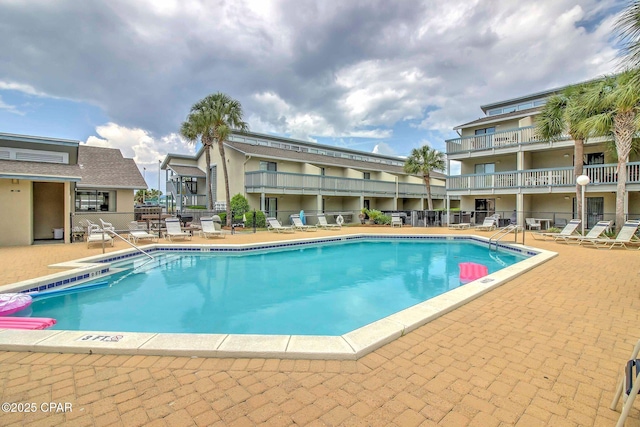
(58, 233)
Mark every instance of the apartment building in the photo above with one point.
(281, 176)
(506, 166)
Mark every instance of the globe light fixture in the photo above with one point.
(583, 181)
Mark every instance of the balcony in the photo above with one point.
(511, 138)
(542, 178)
(294, 183)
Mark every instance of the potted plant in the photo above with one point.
(362, 215)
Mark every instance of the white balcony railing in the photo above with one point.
(294, 183)
(552, 177)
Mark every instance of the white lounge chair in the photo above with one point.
(460, 226)
(95, 234)
(322, 223)
(593, 234)
(298, 225)
(136, 233)
(532, 224)
(174, 230)
(629, 386)
(626, 236)
(487, 225)
(209, 228)
(274, 225)
(569, 229)
(396, 220)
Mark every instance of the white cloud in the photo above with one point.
(21, 87)
(384, 148)
(9, 108)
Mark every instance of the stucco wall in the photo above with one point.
(48, 209)
(16, 219)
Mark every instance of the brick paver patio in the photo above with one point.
(543, 350)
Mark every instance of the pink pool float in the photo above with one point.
(12, 303)
(470, 271)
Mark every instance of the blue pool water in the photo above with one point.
(326, 289)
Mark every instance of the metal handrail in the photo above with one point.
(502, 233)
(113, 233)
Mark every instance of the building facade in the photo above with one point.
(281, 176)
(43, 181)
(506, 166)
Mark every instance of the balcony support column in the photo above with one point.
(519, 167)
(263, 202)
(319, 203)
(520, 208)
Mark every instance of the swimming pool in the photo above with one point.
(318, 289)
(350, 345)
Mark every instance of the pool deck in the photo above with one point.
(544, 349)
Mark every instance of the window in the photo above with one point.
(485, 131)
(95, 201)
(485, 168)
(268, 166)
(322, 171)
(594, 159)
(366, 175)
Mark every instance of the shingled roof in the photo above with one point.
(106, 167)
(40, 170)
(320, 159)
(500, 117)
(188, 171)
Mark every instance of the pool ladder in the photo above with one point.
(501, 233)
(113, 233)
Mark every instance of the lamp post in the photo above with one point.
(582, 181)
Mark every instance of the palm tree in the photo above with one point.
(612, 107)
(422, 161)
(628, 31)
(213, 119)
(563, 113)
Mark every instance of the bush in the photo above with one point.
(261, 220)
(223, 218)
(239, 205)
(384, 219)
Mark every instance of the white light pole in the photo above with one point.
(582, 181)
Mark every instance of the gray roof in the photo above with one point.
(43, 171)
(193, 171)
(106, 167)
(500, 117)
(320, 159)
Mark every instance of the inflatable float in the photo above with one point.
(470, 271)
(26, 322)
(12, 303)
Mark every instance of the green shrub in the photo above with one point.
(223, 218)
(553, 230)
(261, 220)
(239, 205)
(384, 219)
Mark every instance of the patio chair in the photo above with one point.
(298, 225)
(460, 226)
(568, 230)
(274, 225)
(107, 226)
(136, 233)
(322, 223)
(626, 236)
(629, 385)
(174, 230)
(532, 224)
(487, 225)
(95, 234)
(209, 228)
(396, 220)
(593, 234)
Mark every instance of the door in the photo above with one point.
(484, 208)
(594, 212)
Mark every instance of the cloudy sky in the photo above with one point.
(383, 76)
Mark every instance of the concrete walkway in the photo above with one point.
(543, 350)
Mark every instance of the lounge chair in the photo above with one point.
(532, 224)
(487, 225)
(568, 230)
(626, 236)
(460, 226)
(396, 220)
(322, 223)
(209, 228)
(593, 234)
(95, 234)
(136, 233)
(298, 225)
(629, 386)
(274, 225)
(174, 230)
